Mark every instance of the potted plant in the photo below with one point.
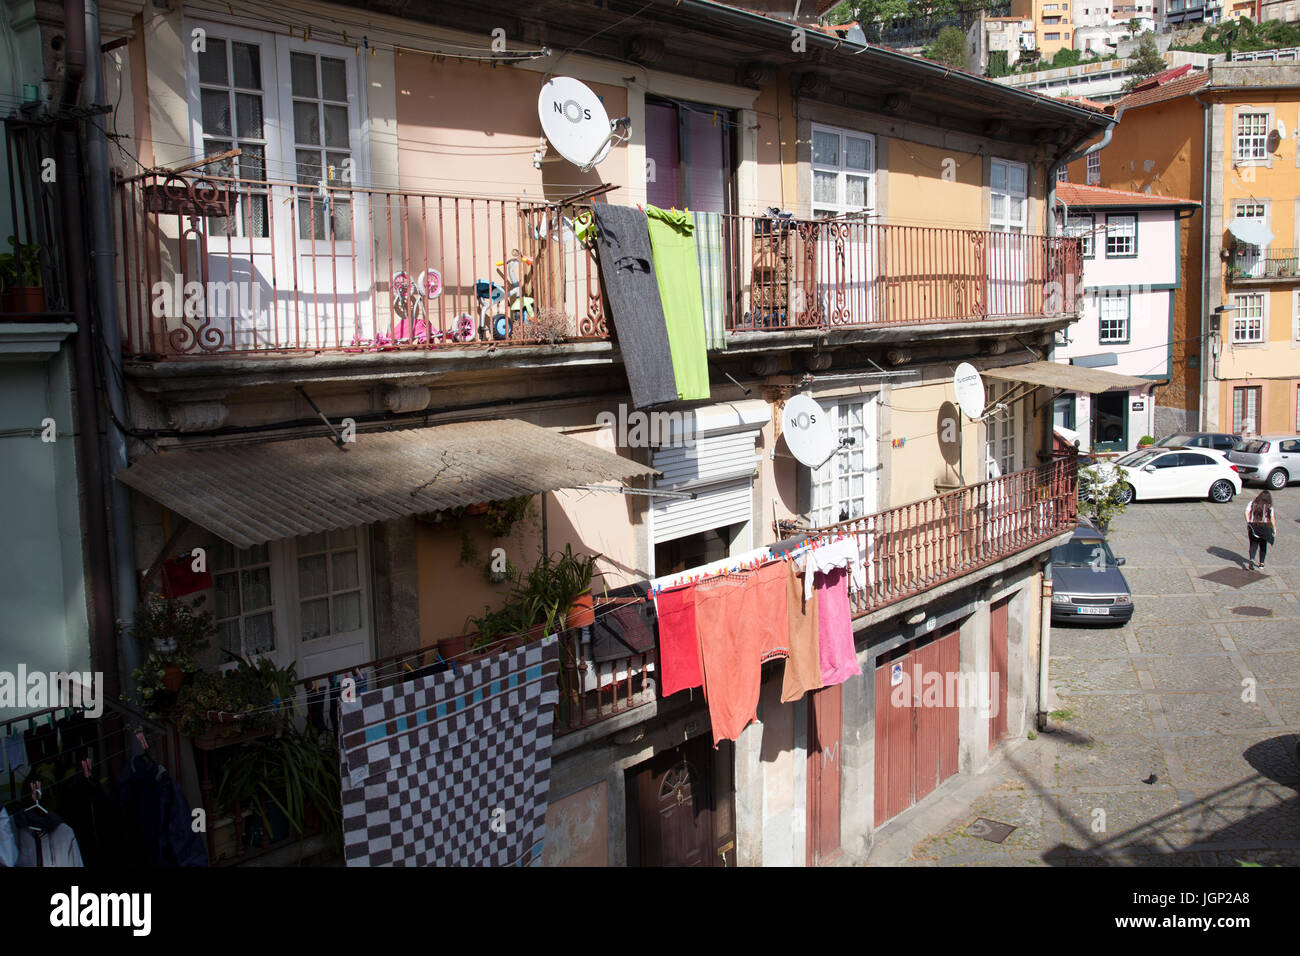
(1146, 440)
(295, 772)
(173, 632)
(502, 515)
(20, 276)
(573, 576)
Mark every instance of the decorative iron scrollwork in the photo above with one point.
(179, 196)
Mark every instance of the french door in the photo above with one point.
(292, 265)
(1008, 252)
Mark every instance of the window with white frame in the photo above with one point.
(322, 145)
(232, 116)
(244, 611)
(1002, 452)
(844, 168)
(1008, 202)
(1245, 410)
(1094, 169)
(1249, 259)
(1248, 318)
(1114, 312)
(1083, 226)
(1252, 137)
(844, 487)
(1121, 236)
(329, 584)
(1063, 174)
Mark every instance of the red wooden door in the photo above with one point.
(916, 723)
(824, 722)
(675, 807)
(998, 628)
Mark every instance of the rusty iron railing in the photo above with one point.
(215, 266)
(915, 547)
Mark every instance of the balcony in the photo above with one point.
(219, 267)
(1249, 265)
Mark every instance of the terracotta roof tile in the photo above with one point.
(1076, 194)
(1183, 85)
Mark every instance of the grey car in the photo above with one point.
(1272, 459)
(1216, 441)
(1087, 585)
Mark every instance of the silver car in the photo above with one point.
(1272, 459)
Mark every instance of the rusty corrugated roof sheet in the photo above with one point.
(1077, 194)
(253, 493)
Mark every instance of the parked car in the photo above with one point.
(1086, 581)
(1272, 459)
(1172, 473)
(1219, 441)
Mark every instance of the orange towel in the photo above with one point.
(803, 671)
(731, 653)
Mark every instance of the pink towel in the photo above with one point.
(839, 658)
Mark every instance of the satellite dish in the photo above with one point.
(575, 121)
(807, 431)
(969, 386)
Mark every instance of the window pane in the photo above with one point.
(255, 589)
(855, 191)
(248, 65)
(999, 177)
(336, 126)
(825, 188)
(826, 148)
(857, 153)
(708, 160)
(315, 618)
(312, 579)
(259, 634)
(662, 156)
(212, 63)
(347, 612)
(342, 220)
(334, 79)
(216, 112)
(228, 631)
(248, 106)
(309, 172)
(226, 595)
(306, 123)
(345, 571)
(1016, 179)
(303, 68)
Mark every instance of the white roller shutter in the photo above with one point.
(719, 506)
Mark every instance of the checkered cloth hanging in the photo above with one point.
(452, 769)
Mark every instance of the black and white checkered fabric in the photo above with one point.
(452, 769)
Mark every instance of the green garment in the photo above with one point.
(677, 271)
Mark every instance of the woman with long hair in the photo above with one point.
(1261, 525)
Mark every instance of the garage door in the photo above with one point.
(916, 722)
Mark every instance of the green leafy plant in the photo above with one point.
(250, 696)
(172, 627)
(1146, 440)
(22, 267)
(502, 515)
(294, 771)
(1101, 497)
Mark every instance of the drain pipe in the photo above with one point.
(1044, 650)
(1078, 154)
(103, 640)
(103, 254)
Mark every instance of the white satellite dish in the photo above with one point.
(969, 386)
(574, 120)
(808, 433)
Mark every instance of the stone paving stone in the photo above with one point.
(1222, 606)
(1151, 820)
(1180, 639)
(1253, 815)
(1107, 714)
(1111, 762)
(1266, 583)
(1158, 580)
(1089, 642)
(1072, 674)
(1271, 635)
(1270, 669)
(1012, 808)
(1215, 709)
(1287, 703)
(1202, 673)
(1162, 610)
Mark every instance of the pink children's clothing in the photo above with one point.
(839, 658)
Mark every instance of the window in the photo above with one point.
(1002, 450)
(1252, 137)
(1063, 412)
(231, 117)
(1114, 310)
(329, 584)
(1295, 315)
(1094, 169)
(1051, 36)
(844, 166)
(1052, 21)
(689, 156)
(1063, 174)
(1248, 318)
(1084, 227)
(844, 487)
(1007, 196)
(1121, 237)
(322, 152)
(1245, 410)
(1248, 259)
(242, 588)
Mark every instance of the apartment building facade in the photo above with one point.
(377, 226)
(1053, 24)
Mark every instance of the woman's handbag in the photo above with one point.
(1261, 532)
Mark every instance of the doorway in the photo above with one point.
(1110, 421)
(681, 807)
(824, 775)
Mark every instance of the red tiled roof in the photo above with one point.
(1075, 194)
(1183, 85)
(1086, 103)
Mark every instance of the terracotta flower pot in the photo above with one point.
(453, 647)
(173, 678)
(24, 302)
(582, 613)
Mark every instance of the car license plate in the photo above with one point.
(1094, 610)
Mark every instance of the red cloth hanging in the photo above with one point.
(679, 646)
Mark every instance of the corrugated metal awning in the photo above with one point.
(1072, 378)
(253, 493)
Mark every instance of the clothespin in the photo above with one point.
(144, 743)
(85, 768)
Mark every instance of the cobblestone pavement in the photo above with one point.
(1161, 696)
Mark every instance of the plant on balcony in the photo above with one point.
(557, 588)
(296, 771)
(20, 276)
(249, 697)
(502, 515)
(573, 576)
(1102, 498)
(548, 326)
(1146, 440)
(172, 632)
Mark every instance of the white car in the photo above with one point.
(1172, 473)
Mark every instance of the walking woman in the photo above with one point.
(1261, 525)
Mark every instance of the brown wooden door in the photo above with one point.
(675, 807)
(916, 723)
(824, 722)
(998, 628)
